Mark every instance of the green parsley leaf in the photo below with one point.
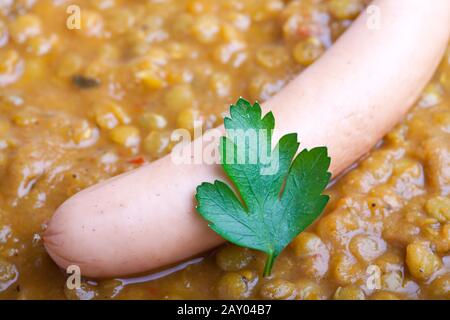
(272, 205)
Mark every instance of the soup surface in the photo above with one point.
(83, 100)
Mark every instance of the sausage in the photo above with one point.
(352, 96)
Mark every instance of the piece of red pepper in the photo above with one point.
(137, 161)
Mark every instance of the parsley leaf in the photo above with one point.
(272, 206)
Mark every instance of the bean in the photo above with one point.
(337, 222)
(440, 287)
(233, 54)
(262, 88)
(177, 50)
(383, 295)
(235, 285)
(234, 258)
(344, 269)
(120, 20)
(267, 10)
(307, 243)
(109, 114)
(127, 136)
(92, 23)
(156, 56)
(231, 34)
(436, 152)
(240, 20)
(152, 79)
(206, 28)
(221, 84)
(25, 27)
(345, 9)
(349, 293)
(189, 119)
(183, 23)
(199, 6)
(272, 57)
(11, 66)
(367, 248)
(24, 119)
(422, 262)
(8, 274)
(152, 121)
(309, 290)
(431, 96)
(390, 261)
(278, 289)
(69, 65)
(313, 254)
(156, 144)
(179, 97)
(307, 51)
(442, 119)
(41, 45)
(80, 131)
(438, 208)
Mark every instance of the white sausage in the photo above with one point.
(347, 100)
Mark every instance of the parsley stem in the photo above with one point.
(269, 263)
